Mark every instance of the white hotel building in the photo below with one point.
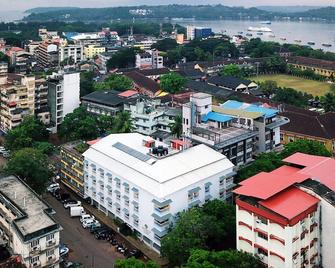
(127, 180)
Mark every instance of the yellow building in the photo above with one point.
(321, 67)
(72, 166)
(17, 99)
(90, 51)
(309, 125)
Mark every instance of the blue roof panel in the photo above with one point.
(213, 116)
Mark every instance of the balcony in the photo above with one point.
(35, 264)
(280, 121)
(51, 243)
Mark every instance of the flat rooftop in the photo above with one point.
(127, 157)
(30, 210)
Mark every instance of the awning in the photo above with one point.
(194, 203)
(194, 190)
(160, 233)
(109, 187)
(109, 199)
(207, 184)
(134, 203)
(116, 191)
(125, 184)
(117, 205)
(134, 189)
(125, 211)
(101, 194)
(161, 218)
(161, 203)
(135, 216)
(126, 197)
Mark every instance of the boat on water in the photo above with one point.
(266, 22)
(272, 35)
(259, 33)
(283, 38)
(326, 45)
(311, 43)
(297, 41)
(249, 34)
(259, 29)
(240, 32)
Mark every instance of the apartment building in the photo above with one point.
(27, 226)
(149, 59)
(17, 99)
(41, 100)
(129, 177)
(72, 165)
(3, 67)
(68, 52)
(286, 216)
(47, 54)
(63, 95)
(90, 51)
(151, 117)
(236, 129)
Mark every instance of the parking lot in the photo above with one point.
(84, 248)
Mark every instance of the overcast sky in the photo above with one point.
(25, 4)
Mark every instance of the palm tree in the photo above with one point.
(176, 127)
(123, 123)
(328, 102)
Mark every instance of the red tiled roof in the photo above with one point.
(264, 185)
(290, 203)
(128, 93)
(305, 160)
(90, 143)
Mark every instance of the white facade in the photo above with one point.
(25, 224)
(75, 52)
(127, 182)
(149, 60)
(190, 32)
(282, 243)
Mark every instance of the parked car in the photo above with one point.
(6, 154)
(86, 217)
(2, 149)
(72, 203)
(53, 187)
(103, 234)
(89, 223)
(63, 250)
(97, 227)
(63, 197)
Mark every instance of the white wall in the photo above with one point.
(71, 88)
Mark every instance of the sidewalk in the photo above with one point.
(152, 255)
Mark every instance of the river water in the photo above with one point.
(317, 32)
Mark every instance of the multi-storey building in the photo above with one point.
(63, 95)
(27, 226)
(72, 165)
(235, 129)
(41, 100)
(149, 59)
(17, 99)
(47, 54)
(74, 53)
(90, 51)
(149, 116)
(286, 216)
(129, 177)
(3, 67)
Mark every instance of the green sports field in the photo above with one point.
(315, 88)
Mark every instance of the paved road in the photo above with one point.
(83, 246)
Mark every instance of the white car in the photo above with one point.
(52, 187)
(72, 203)
(86, 217)
(88, 223)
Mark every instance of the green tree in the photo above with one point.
(328, 102)
(114, 81)
(31, 165)
(124, 58)
(177, 126)
(122, 123)
(222, 259)
(79, 125)
(86, 83)
(172, 82)
(134, 263)
(4, 57)
(44, 147)
(199, 228)
(306, 147)
(165, 44)
(291, 96)
(29, 131)
(268, 87)
(231, 70)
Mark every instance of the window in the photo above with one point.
(207, 188)
(162, 223)
(50, 236)
(50, 252)
(136, 195)
(136, 221)
(118, 184)
(262, 235)
(118, 196)
(222, 194)
(34, 259)
(222, 181)
(136, 207)
(192, 196)
(126, 215)
(102, 173)
(126, 189)
(35, 243)
(262, 251)
(118, 209)
(262, 220)
(126, 202)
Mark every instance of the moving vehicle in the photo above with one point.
(72, 203)
(53, 187)
(85, 217)
(88, 223)
(77, 211)
(63, 250)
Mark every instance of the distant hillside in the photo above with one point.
(167, 11)
(288, 9)
(38, 10)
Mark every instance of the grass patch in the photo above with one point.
(315, 88)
